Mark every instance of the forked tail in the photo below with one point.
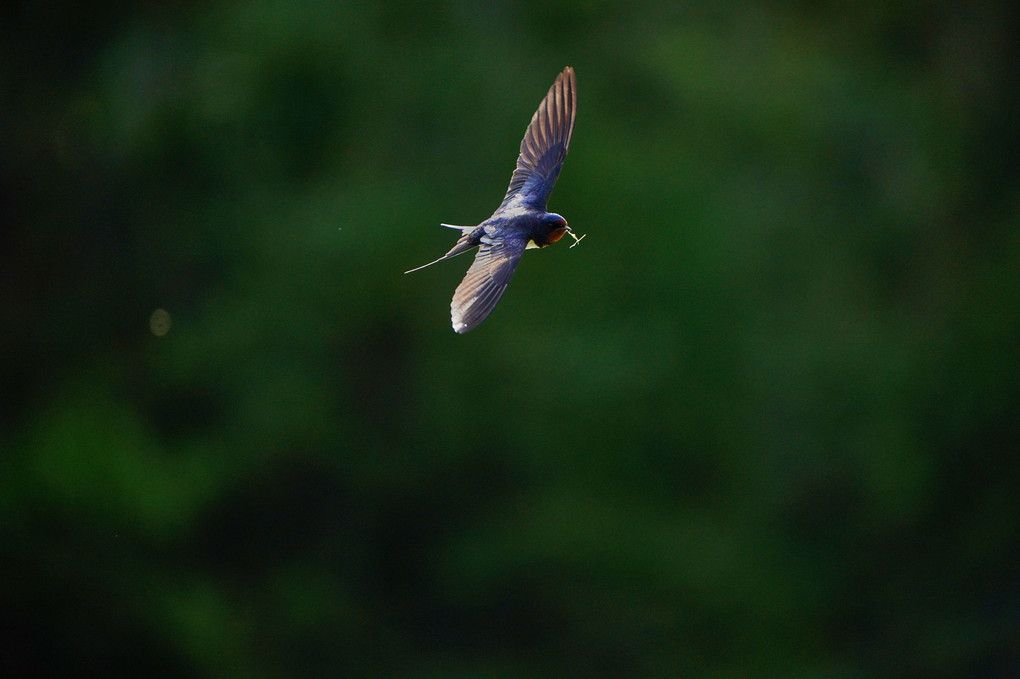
(464, 244)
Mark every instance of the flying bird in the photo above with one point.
(521, 220)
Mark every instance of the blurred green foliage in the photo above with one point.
(762, 422)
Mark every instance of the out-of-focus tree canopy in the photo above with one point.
(762, 422)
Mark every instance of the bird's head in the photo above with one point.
(553, 227)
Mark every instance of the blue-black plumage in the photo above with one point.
(521, 221)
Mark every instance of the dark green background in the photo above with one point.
(762, 422)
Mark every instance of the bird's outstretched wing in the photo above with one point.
(545, 145)
(485, 282)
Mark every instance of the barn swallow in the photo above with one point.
(521, 221)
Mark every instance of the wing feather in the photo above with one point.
(484, 284)
(545, 145)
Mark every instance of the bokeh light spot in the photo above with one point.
(159, 322)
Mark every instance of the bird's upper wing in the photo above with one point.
(545, 144)
(485, 281)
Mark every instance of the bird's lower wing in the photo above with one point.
(484, 284)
